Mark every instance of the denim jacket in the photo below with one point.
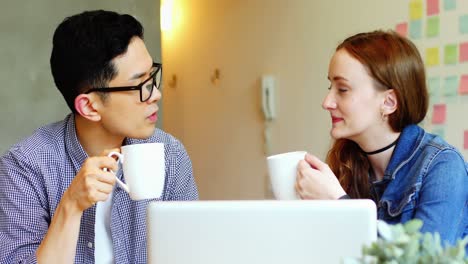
(427, 179)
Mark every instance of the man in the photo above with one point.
(57, 203)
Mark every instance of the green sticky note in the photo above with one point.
(450, 54)
(450, 5)
(463, 24)
(415, 29)
(450, 86)
(432, 26)
(433, 89)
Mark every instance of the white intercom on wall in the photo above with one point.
(268, 97)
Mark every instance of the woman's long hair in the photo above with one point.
(394, 63)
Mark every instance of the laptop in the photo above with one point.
(259, 231)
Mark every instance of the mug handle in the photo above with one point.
(120, 159)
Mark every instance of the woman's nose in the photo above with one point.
(329, 102)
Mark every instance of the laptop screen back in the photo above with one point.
(259, 231)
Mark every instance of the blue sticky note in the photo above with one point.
(433, 89)
(450, 5)
(415, 28)
(450, 87)
(463, 24)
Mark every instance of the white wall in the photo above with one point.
(222, 125)
(28, 96)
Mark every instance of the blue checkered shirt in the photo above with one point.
(35, 173)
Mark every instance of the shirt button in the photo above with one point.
(90, 245)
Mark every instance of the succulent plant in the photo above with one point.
(404, 243)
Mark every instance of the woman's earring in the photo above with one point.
(383, 115)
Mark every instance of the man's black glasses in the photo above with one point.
(146, 87)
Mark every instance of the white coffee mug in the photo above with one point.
(144, 170)
(282, 169)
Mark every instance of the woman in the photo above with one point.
(376, 98)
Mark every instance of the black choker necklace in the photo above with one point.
(382, 149)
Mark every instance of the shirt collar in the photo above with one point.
(75, 151)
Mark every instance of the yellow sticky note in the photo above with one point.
(432, 56)
(416, 9)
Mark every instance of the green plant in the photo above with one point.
(404, 243)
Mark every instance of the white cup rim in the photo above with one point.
(286, 154)
(142, 145)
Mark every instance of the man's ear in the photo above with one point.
(85, 105)
(390, 103)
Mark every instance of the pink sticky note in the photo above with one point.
(438, 113)
(465, 139)
(463, 88)
(402, 29)
(463, 51)
(432, 7)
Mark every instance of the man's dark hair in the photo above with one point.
(83, 48)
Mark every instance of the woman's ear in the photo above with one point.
(85, 105)
(390, 104)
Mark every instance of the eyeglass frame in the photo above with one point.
(138, 87)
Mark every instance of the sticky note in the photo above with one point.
(439, 112)
(416, 9)
(432, 7)
(450, 86)
(465, 139)
(450, 5)
(433, 89)
(450, 54)
(463, 88)
(402, 29)
(432, 56)
(434, 84)
(415, 29)
(463, 52)
(432, 26)
(463, 24)
(440, 131)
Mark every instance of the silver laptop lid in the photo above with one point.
(259, 231)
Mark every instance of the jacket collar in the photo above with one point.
(410, 140)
